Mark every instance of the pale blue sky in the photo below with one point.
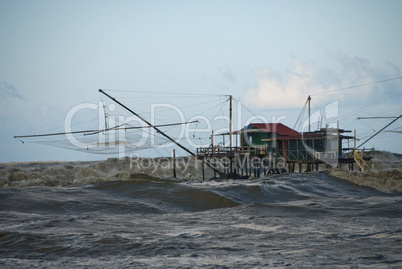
(56, 54)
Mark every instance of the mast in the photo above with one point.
(144, 120)
(230, 122)
(308, 100)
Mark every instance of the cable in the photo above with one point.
(356, 86)
(300, 115)
(167, 93)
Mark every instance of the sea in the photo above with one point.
(138, 220)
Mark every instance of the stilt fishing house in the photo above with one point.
(267, 143)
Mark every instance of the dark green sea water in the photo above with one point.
(284, 221)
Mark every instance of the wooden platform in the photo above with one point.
(220, 152)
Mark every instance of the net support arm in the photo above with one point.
(147, 122)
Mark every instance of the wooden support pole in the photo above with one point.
(309, 99)
(214, 166)
(242, 168)
(231, 163)
(230, 123)
(174, 163)
(248, 166)
(203, 168)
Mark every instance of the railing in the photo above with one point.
(366, 154)
(217, 151)
(304, 155)
(291, 155)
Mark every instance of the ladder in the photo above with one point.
(358, 156)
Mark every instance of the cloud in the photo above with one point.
(9, 91)
(227, 74)
(282, 90)
(277, 90)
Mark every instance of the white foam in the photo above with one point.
(262, 228)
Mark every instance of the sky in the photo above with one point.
(270, 55)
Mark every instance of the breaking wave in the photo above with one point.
(386, 175)
(61, 174)
(389, 180)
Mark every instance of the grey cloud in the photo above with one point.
(343, 75)
(9, 91)
(394, 68)
(228, 74)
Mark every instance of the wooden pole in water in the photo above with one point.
(203, 172)
(214, 166)
(174, 163)
(260, 167)
(249, 164)
(242, 169)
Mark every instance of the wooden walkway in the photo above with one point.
(230, 152)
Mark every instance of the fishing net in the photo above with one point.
(121, 123)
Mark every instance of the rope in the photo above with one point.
(167, 93)
(356, 86)
(300, 115)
